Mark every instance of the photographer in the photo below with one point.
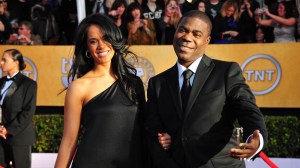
(24, 36)
(283, 22)
(171, 18)
(246, 20)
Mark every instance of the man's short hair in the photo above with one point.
(200, 15)
(27, 24)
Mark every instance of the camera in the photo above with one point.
(259, 11)
(173, 6)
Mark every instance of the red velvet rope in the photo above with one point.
(267, 160)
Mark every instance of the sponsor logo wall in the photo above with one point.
(271, 70)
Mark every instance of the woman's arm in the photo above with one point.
(261, 22)
(72, 113)
(285, 21)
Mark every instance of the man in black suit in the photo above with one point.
(18, 105)
(199, 112)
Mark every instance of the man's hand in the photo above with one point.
(165, 140)
(3, 132)
(246, 149)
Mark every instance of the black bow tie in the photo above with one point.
(10, 79)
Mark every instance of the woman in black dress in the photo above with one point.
(105, 102)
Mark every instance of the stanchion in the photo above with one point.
(267, 160)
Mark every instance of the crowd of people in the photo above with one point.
(149, 22)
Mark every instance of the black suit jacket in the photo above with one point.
(203, 136)
(18, 109)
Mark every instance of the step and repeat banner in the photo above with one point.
(271, 70)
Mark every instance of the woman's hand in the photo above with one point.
(165, 140)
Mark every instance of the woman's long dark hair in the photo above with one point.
(131, 8)
(124, 71)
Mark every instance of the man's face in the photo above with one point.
(24, 30)
(190, 40)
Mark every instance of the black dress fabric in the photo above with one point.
(111, 136)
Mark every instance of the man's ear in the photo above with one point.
(208, 40)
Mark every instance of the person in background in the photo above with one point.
(118, 15)
(284, 22)
(96, 6)
(5, 27)
(24, 36)
(44, 23)
(200, 5)
(104, 105)
(152, 10)
(247, 22)
(213, 8)
(4, 11)
(18, 105)
(141, 31)
(171, 18)
(260, 35)
(225, 24)
(198, 102)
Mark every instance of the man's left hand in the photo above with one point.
(246, 149)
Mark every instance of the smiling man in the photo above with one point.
(196, 103)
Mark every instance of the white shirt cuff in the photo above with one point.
(261, 144)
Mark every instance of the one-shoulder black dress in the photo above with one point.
(111, 132)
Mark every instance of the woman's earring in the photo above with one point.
(88, 54)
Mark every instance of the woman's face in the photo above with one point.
(201, 6)
(121, 9)
(8, 64)
(101, 50)
(229, 11)
(281, 10)
(260, 35)
(136, 14)
(172, 6)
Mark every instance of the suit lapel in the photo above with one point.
(172, 81)
(203, 71)
(13, 87)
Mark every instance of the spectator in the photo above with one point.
(140, 31)
(69, 22)
(171, 18)
(19, 9)
(225, 25)
(152, 10)
(213, 7)
(284, 22)
(246, 21)
(260, 35)
(96, 6)
(44, 23)
(185, 5)
(201, 6)
(24, 36)
(5, 28)
(118, 15)
(5, 10)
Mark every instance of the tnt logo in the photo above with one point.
(66, 64)
(30, 70)
(262, 73)
(144, 68)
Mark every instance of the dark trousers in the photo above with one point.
(19, 155)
